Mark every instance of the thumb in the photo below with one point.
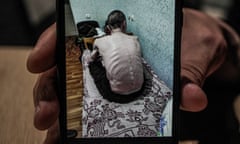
(193, 98)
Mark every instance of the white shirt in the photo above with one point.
(121, 56)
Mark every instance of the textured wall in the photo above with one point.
(153, 23)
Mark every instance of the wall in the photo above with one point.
(153, 23)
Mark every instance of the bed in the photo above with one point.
(147, 116)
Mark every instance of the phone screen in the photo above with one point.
(119, 70)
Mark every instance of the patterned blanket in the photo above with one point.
(140, 118)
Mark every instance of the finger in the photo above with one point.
(203, 51)
(45, 100)
(45, 87)
(203, 47)
(193, 98)
(201, 58)
(46, 114)
(53, 134)
(42, 56)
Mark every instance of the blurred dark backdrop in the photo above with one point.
(22, 21)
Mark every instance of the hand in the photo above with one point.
(42, 60)
(203, 51)
(206, 42)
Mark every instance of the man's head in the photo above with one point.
(116, 19)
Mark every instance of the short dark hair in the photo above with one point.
(115, 19)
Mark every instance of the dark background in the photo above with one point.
(15, 25)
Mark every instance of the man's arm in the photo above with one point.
(94, 53)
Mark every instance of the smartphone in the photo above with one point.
(118, 68)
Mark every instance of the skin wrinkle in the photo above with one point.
(198, 67)
(43, 95)
(45, 88)
(45, 100)
(193, 73)
(217, 61)
(198, 72)
(218, 51)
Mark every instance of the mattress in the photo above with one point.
(147, 116)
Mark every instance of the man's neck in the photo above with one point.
(116, 30)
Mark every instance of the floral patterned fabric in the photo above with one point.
(140, 118)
